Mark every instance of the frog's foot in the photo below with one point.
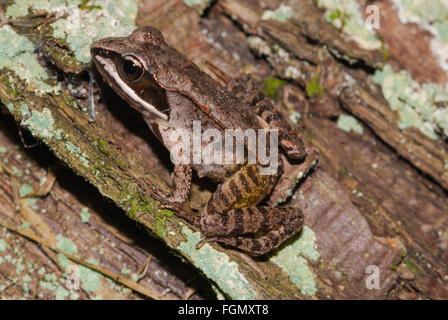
(257, 246)
(275, 223)
(184, 210)
(177, 199)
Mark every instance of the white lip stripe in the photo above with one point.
(129, 92)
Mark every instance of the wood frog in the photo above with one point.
(171, 92)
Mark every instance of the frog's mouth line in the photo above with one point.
(111, 71)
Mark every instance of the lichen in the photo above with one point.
(192, 3)
(292, 260)
(85, 215)
(25, 189)
(349, 123)
(217, 266)
(90, 280)
(282, 13)
(41, 124)
(66, 245)
(422, 106)
(82, 156)
(80, 27)
(3, 245)
(432, 17)
(346, 15)
(295, 116)
(18, 58)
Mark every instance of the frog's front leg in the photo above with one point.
(231, 218)
(177, 199)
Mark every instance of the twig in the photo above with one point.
(112, 275)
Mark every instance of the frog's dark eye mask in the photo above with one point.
(123, 73)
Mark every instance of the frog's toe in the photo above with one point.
(207, 240)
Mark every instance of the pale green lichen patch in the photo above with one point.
(346, 15)
(10, 107)
(2, 149)
(3, 245)
(85, 215)
(432, 17)
(17, 56)
(295, 117)
(216, 266)
(25, 189)
(349, 123)
(82, 156)
(90, 280)
(24, 111)
(66, 245)
(282, 13)
(83, 24)
(421, 106)
(192, 3)
(41, 124)
(292, 260)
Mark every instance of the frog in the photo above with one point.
(171, 92)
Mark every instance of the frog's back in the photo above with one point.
(177, 73)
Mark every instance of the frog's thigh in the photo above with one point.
(229, 210)
(292, 223)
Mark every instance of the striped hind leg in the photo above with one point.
(277, 224)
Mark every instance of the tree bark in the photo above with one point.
(377, 197)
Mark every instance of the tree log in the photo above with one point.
(376, 201)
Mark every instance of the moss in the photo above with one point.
(385, 51)
(334, 15)
(313, 88)
(85, 6)
(411, 267)
(271, 86)
(102, 147)
(161, 216)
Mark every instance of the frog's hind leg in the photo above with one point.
(231, 215)
(278, 224)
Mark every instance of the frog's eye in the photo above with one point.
(131, 68)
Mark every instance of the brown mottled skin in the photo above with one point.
(181, 91)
